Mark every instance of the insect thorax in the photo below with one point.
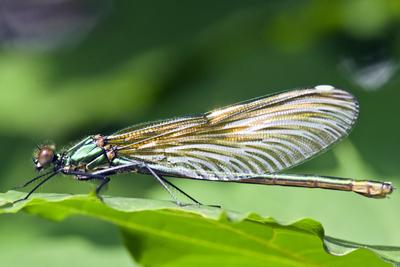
(87, 155)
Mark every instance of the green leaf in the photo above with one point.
(159, 233)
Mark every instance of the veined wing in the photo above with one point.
(260, 136)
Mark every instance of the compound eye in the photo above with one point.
(44, 158)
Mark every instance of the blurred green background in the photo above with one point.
(72, 68)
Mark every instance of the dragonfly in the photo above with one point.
(249, 142)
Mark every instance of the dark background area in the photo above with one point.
(73, 68)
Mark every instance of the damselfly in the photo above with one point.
(249, 142)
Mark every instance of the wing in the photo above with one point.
(260, 136)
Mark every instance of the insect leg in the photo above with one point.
(116, 169)
(32, 180)
(104, 182)
(164, 184)
(36, 187)
(83, 176)
(180, 190)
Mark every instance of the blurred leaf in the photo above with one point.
(161, 234)
(25, 245)
(300, 26)
(121, 93)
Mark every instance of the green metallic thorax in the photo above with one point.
(85, 155)
(88, 156)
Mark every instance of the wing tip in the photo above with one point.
(324, 88)
(329, 89)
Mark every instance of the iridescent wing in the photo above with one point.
(260, 136)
